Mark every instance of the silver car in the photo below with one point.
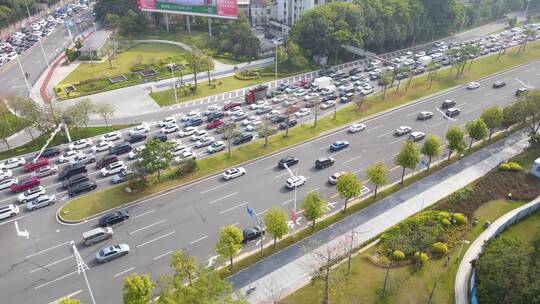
(111, 252)
(41, 201)
(45, 171)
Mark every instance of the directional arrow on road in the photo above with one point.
(23, 233)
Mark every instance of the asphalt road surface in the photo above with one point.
(42, 269)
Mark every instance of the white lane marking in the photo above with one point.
(145, 213)
(286, 202)
(146, 227)
(338, 153)
(198, 240)
(162, 255)
(384, 134)
(45, 250)
(473, 109)
(278, 176)
(55, 280)
(524, 84)
(53, 263)
(121, 273)
(15, 219)
(68, 296)
(437, 124)
(312, 190)
(269, 168)
(411, 114)
(223, 197)
(352, 159)
(324, 147)
(444, 115)
(214, 188)
(398, 140)
(262, 212)
(227, 210)
(358, 171)
(374, 128)
(23, 233)
(396, 167)
(234, 224)
(153, 240)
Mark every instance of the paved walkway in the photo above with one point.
(286, 271)
(463, 275)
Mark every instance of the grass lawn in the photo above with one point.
(526, 229)
(198, 38)
(143, 53)
(60, 138)
(527, 158)
(14, 125)
(405, 285)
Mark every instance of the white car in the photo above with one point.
(416, 136)
(203, 142)
(133, 153)
(216, 147)
(367, 91)
(5, 173)
(211, 109)
(12, 163)
(334, 177)
(112, 136)
(69, 155)
(8, 211)
(300, 93)
(252, 126)
(328, 104)
(30, 194)
(302, 113)
(403, 130)
(357, 127)
(191, 115)
(249, 120)
(168, 129)
(279, 98)
(113, 168)
(295, 181)
(187, 131)
(41, 201)
(140, 129)
(12, 55)
(233, 173)
(473, 85)
(80, 144)
(258, 104)
(185, 155)
(166, 121)
(178, 150)
(102, 146)
(82, 158)
(7, 182)
(198, 134)
(311, 96)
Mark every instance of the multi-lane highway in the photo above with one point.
(41, 269)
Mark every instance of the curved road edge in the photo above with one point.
(463, 275)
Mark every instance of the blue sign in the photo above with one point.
(250, 211)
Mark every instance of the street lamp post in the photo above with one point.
(82, 267)
(527, 8)
(25, 78)
(463, 242)
(174, 83)
(39, 39)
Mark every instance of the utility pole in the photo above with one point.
(527, 8)
(82, 267)
(276, 58)
(174, 83)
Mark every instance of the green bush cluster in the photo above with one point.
(459, 218)
(460, 195)
(439, 248)
(248, 74)
(421, 257)
(398, 255)
(510, 167)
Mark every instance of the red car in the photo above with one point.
(302, 83)
(231, 105)
(25, 184)
(40, 162)
(214, 124)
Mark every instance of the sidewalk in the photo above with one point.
(463, 275)
(288, 270)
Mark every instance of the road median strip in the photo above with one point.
(85, 207)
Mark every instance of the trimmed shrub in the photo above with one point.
(439, 248)
(459, 218)
(460, 195)
(446, 222)
(514, 167)
(421, 257)
(504, 167)
(398, 255)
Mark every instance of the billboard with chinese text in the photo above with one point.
(209, 8)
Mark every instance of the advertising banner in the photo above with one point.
(210, 8)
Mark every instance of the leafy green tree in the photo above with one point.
(404, 72)
(529, 33)
(493, 118)
(432, 148)
(137, 289)
(512, 22)
(155, 156)
(133, 23)
(230, 242)
(377, 174)
(432, 68)
(477, 130)
(105, 111)
(510, 116)
(314, 207)
(348, 186)
(230, 131)
(385, 79)
(184, 266)
(275, 221)
(456, 140)
(408, 157)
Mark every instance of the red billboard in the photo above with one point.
(209, 8)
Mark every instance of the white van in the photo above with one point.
(97, 235)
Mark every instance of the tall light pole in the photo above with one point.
(295, 190)
(174, 83)
(82, 267)
(276, 59)
(25, 78)
(527, 8)
(463, 242)
(39, 39)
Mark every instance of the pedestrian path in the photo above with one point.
(286, 271)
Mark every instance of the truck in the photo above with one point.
(255, 94)
(322, 82)
(425, 60)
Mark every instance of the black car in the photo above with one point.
(75, 179)
(292, 123)
(160, 137)
(215, 115)
(120, 148)
(355, 71)
(133, 138)
(278, 118)
(448, 103)
(113, 218)
(328, 97)
(521, 91)
(452, 112)
(54, 151)
(243, 138)
(82, 187)
(289, 161)
(498, 84)
(252, 233)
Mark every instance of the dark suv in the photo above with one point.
(289, 161)
(133, 138)
(252, 233)
(75, 179)
(292, 123)
(243, 138)
(82, 187)
(448, 103)
(113, 218)
(54, 151)
(105, 161)
(324, 162)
